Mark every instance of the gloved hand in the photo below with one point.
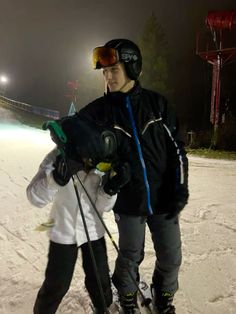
(64, 169)
(181, 199)
(177, 208)
(121, 178)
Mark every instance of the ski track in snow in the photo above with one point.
(208, 273)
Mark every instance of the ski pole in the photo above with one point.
(90, 247)
(145, 301)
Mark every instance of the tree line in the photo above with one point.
(188, 86)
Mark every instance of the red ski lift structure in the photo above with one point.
(215, 48)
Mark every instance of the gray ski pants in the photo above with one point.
(167, 245)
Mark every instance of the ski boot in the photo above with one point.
(129, 304)
(162, 302)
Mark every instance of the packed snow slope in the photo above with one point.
(208, 274)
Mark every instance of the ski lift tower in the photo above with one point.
(214, 48)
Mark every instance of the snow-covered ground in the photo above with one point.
(208, 273)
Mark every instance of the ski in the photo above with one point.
(146, 290)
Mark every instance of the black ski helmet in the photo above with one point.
(85, 139)
(129, 53)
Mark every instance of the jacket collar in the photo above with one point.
(119, 96)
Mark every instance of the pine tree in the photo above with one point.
(154, 48)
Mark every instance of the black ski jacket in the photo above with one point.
(163, 152)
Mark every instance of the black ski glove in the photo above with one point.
(121, 178)
(64, 169)
(181, 199)
(178, 207)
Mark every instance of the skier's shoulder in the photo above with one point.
(156, 96)
(161, 107)
(157, 101)
(93, 106)
(95, 111)
(49, 159)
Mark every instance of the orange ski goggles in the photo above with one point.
(104, 56)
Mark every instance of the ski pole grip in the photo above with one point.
(57, 134)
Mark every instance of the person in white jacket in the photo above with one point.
(51, 184)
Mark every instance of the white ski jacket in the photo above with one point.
(67, 222)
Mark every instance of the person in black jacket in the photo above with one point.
(147, 134)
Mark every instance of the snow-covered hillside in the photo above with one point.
(208, 273)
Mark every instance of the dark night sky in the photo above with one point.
(45, 43)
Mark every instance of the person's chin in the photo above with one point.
(113, 88)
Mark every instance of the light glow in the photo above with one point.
(4, 79)
(9, 132)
